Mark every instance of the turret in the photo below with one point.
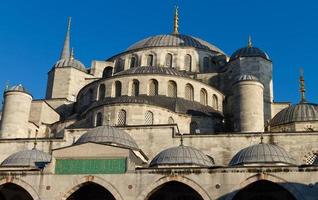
(15, 114)
(248, 107)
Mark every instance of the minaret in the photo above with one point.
(65, 54)
(302, 86)
(249, 44)
(176, 21)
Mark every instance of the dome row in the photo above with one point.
(259, 154)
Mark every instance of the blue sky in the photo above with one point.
(32, 33)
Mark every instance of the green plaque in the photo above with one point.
(90, 166)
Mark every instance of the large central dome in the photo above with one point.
(174, 40)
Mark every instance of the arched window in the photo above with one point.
(101, 92)
(117, 89)
(99, 119)
(120, 65)
(135, 88)
(107, 72)
(215, 103)
(170, 120)
(121, 118)
(153, 88)
(150, 60)
(149, 117)
(169, 60)
(206, 64)
(194, 128)
(189, 92)
(133, 62)
(172, 89)
(203, 97)
(188, 63)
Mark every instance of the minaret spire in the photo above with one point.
(65, 54)
(249, 44)
(72, 54)
(302, 86)
(176, 21)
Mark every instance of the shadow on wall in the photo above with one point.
(264, 189)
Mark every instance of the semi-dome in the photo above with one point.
(70, 62)
(108, 135)
(296, 113)
(182, 155)
(34, 158)
(262, 154)
(154, 70)
(174, 40)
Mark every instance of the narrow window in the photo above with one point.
(101, 92)
(169, 60)
(99, 119)
(121, 118)
(150, 60)
(153, 88)
(203, 97)
(149, 117)
(172, 89)
(194, 128)
(189, 92)
(135, 88)
(120, 65)
(215, 102)
(117, 89)
(133, 62)
(187, 63)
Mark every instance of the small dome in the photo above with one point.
(32, 157)
(262, 154)
(108, 135)
(154, 70)
(296, 113)
(70, 62)
(17, 88)
(174, 40)
(182, 155)
(249, 52)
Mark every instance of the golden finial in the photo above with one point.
(176, 21)
(249, 44)
(302, 85)
(72, 54)
(7, 85)
(181, 139)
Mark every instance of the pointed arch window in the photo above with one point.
(203, 97)
(101, 92)
(153, 88)
(135, 88)
(189, 92)
(99, 119)
(121, 121)
(172, 89)
(149, 117)
(169, 60)
(117, 89)
(188, 62)
(150, 59)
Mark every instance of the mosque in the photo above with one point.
(170, 118)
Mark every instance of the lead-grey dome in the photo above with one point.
(108, 135)
(32, 158)
(154, 70)
(174, 40)
(182, 155)
(70, 62)
(296, 113)
(18, 87)
(249, 52)
(262, 154)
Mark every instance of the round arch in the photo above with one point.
(93, 179)
(268, 177)
(152, 187)
(27, 187)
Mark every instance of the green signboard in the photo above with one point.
(90, 166)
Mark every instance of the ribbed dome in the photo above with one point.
(32, 157)
(173, 40)
(70, 63)
(261, 154)
(182, 155)
(296, 113)
(154, 70)
(249, 52)
(108, 135)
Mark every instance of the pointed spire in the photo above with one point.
(176, 21)
(72, 54)
(249, 44)
(65, 54)
(302, 86)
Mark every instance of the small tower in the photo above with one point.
(248, 104)
(16, 111)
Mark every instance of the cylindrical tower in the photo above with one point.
(248, 105)
(15, 114)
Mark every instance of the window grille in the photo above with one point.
(149, 117)
(121, 118)
(189, 92)
(172, 89)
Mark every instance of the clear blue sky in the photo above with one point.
(32, 33)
